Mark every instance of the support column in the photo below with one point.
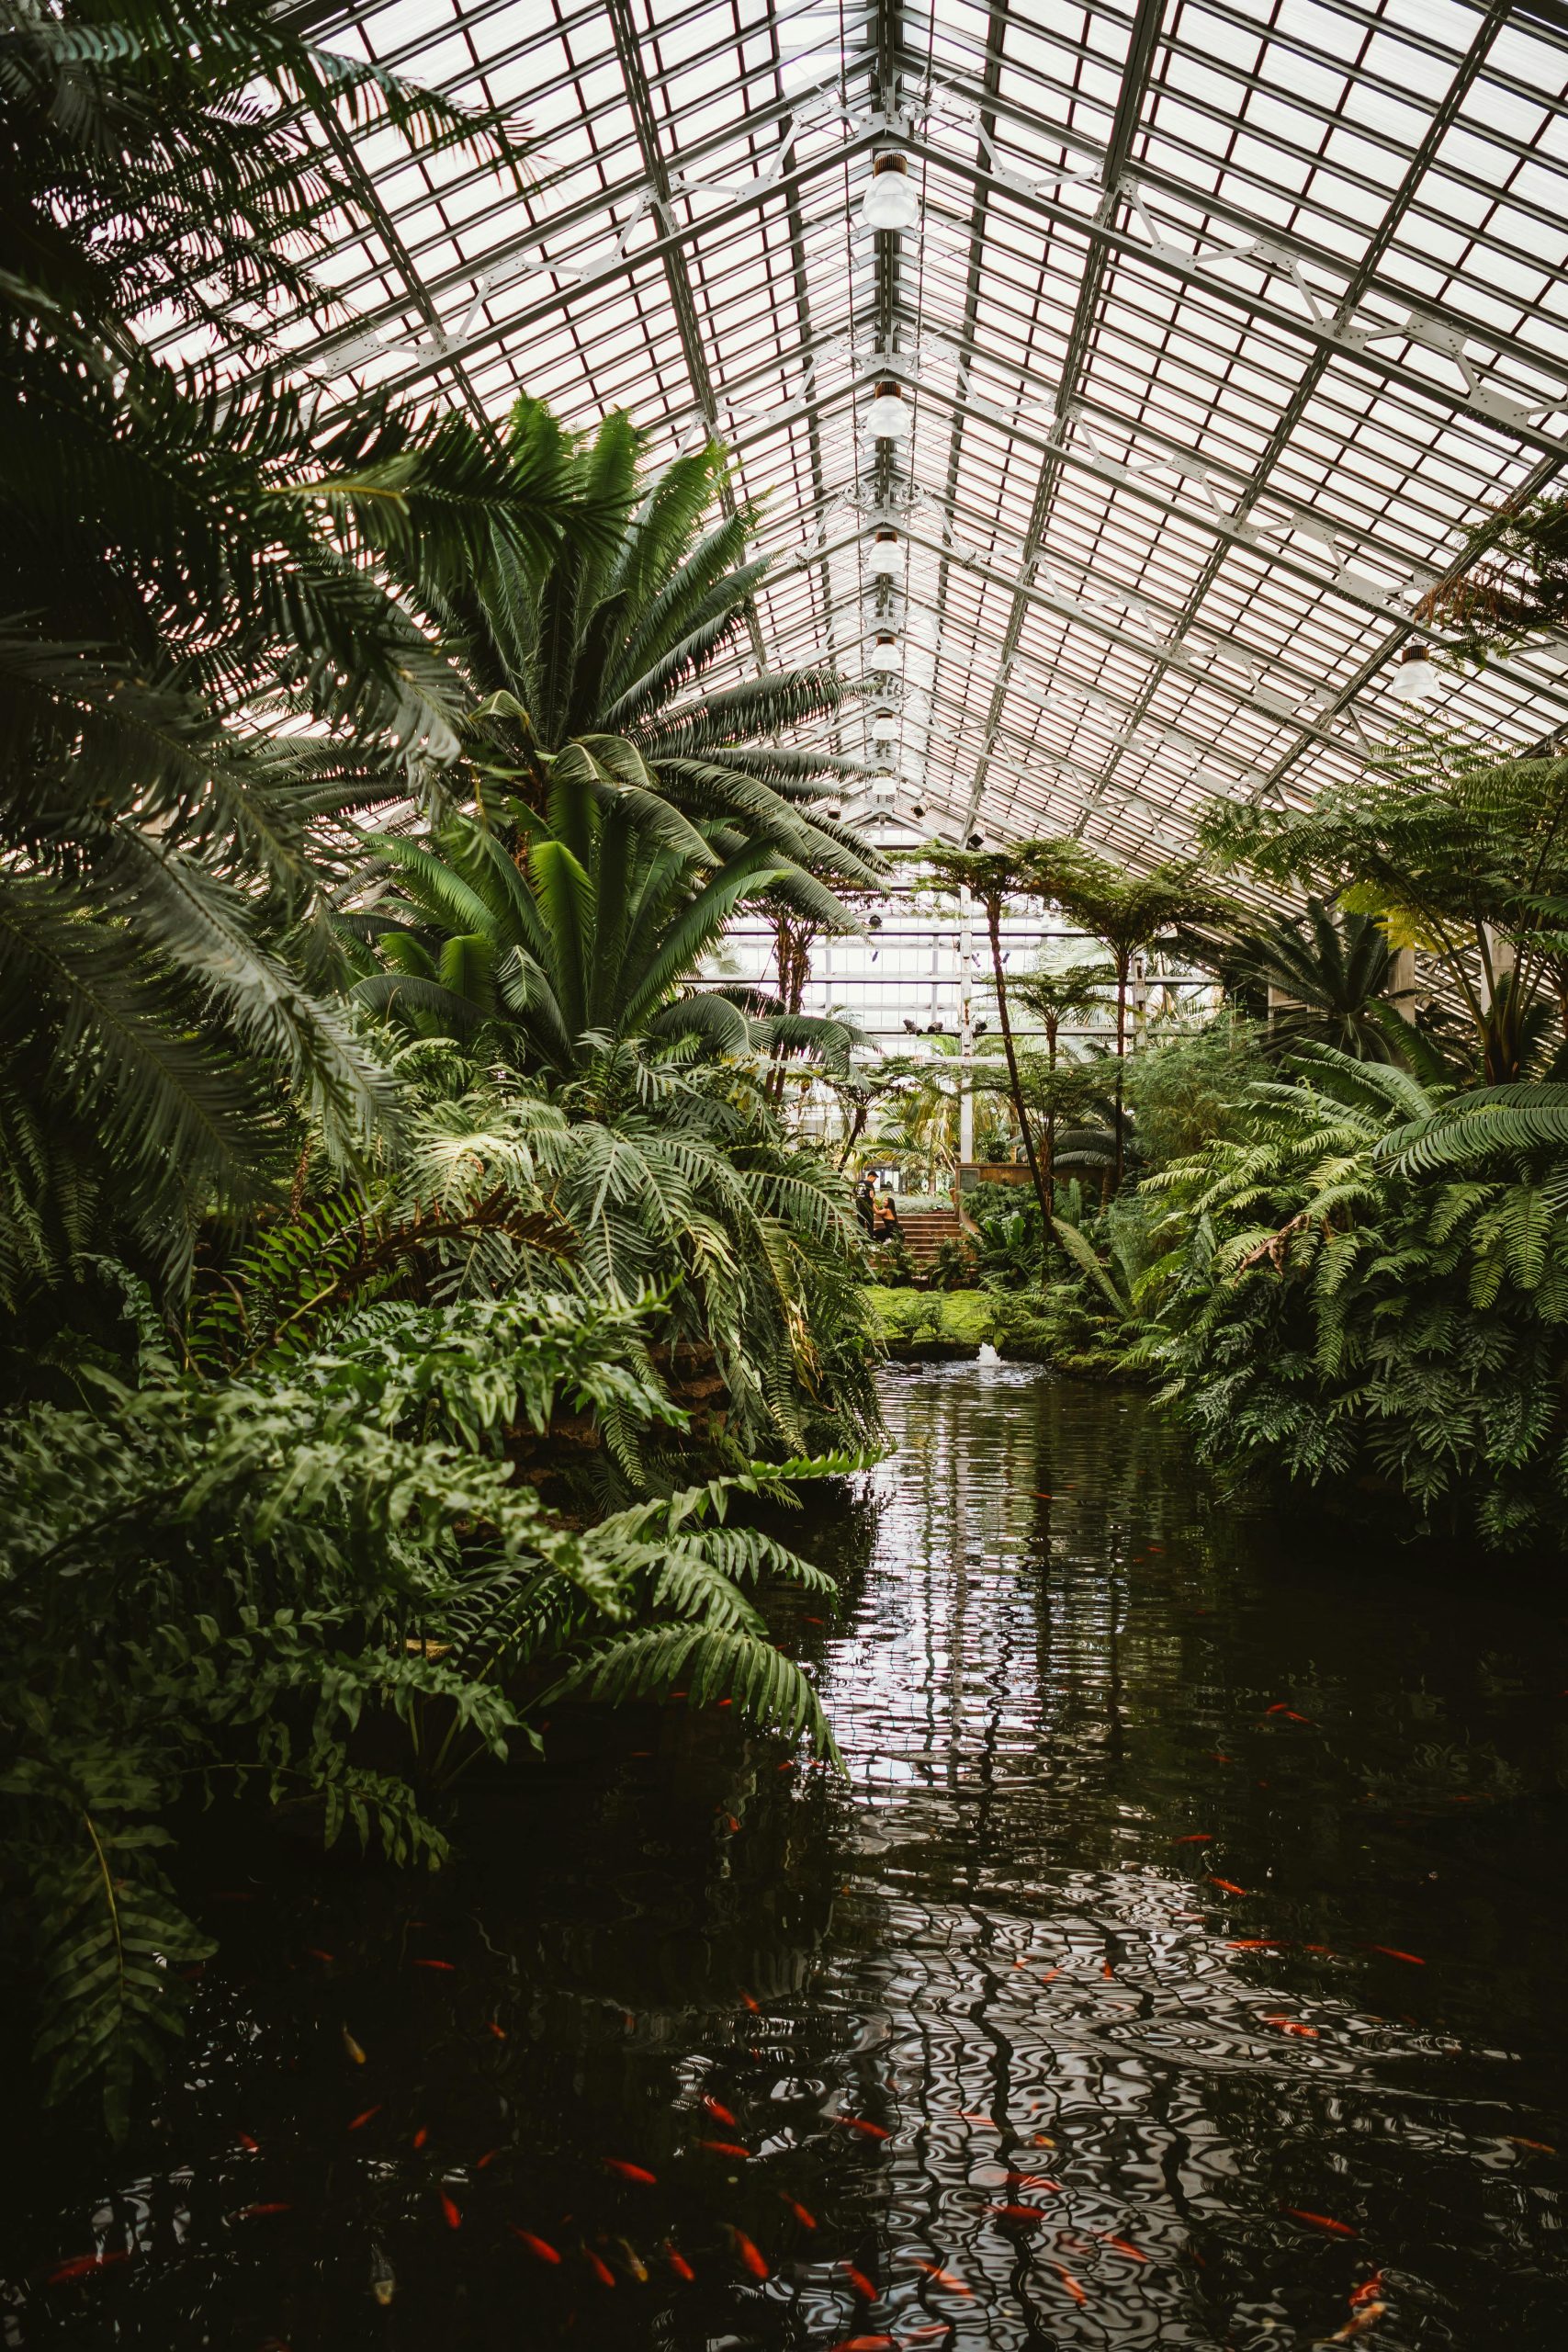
(1400, 989)
(965, 1026)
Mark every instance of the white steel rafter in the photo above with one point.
(1225, 322)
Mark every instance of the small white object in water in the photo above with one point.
(987, 1353)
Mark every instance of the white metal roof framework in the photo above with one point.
(1220, 325)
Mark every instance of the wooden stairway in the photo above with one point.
(925, 1230)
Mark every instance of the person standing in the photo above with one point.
(865, 1206)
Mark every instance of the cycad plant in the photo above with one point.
(1331, 968)
(178, 558)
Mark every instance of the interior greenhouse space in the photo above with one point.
(783, 1175)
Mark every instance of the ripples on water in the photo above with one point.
(1073, 1696)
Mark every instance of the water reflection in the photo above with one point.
(1180, 1960)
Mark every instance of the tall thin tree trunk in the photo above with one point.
(994, 928)
(1123, 963)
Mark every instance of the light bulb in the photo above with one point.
(888, 418)
(1417, 680)
(884, 730)
(886, 559)
(884, 654)
(891, 200)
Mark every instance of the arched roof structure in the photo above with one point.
(1221, 325)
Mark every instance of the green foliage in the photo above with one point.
(1371, 1295)
(1189, 1087)
(273, 1565)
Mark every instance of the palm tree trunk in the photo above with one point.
(1123, 963)
(994, 931)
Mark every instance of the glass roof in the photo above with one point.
(1218, 327)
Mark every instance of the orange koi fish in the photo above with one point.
(454, 2219)
(1540, 2146)
(1229, 1885)
(1050, 1976)
(748, 2003)
(246, 2142)
(1292, 2025)
(629, 2172)
(1071, 2283)
(1367, 2291)
(943, 2277)
(1392, 1952)
(539, 2246)
(357, 2055)
(251, 2212)
(1320, 2221)
(754, 2261)
(1255, 1944)
(1029, 2216)
(498, 2030)
(1195, 1838)
(724, 2148)
(1359, 2323)
(602, 2270)
(859, 2123)
(1106, 1970)
(863, 2286)
(421, 2136)
(865, 2344)
(1134, 2254)
(807, 2220)
(313, 1952)
(363, 2118)
(447, 1967)
(679, 2265)
(82, 2266)
(720, 2113)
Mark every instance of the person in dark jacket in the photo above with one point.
(865, 1206)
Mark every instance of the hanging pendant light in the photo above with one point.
(885, 728)
(888, 418)
(886, 558)
(1417, 678)
(884, 654)
(891, 200)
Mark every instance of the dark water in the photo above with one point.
(1060, 1676)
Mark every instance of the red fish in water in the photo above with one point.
(363, 2118)
(1367, 2291)
(421, 2136)
(1071, 2283)
(1029, 2216)
(807, 2220)
(1218, 1759)
(748, 2003)
(1320, 2221)
(1279, 1708)
(629, 2172)
(1255, 1944)
(1106, 1970)
(454, 2219)
(720, 2113)
(943, 2277)
(1540, 2146)
(1050, 1976)
(679, 2265)
(250, 2213)
(602, 2270)
(489, 2157)
(498, 2030)
(313, 1952)
(1195, 1838)
(539, 2246)
(726, 2148)
(865, 2344)
(357, 2055)
(750, 2256)
(1229, 1885)
(859, 2123)
(1292, 2024)
(1359, 2323)
(1133, 2253)
(863, 2286)
(245, 2141)
(447, 1967)
(724, 1703)
(82, 2265)
(1392, 1952)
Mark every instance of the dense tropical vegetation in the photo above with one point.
(411, 1284)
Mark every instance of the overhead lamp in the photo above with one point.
(884, 729)
(889, 417)
(891, 199)
(884, 654)
(886, 560)
(1417, 678)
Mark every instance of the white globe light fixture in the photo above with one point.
(1417, 679)
(884, 729)
(888, 417)
(886, 558)
(891, 200)
(884, 654)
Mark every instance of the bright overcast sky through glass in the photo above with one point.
(1210, 333)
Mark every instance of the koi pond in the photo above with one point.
(1180, 1964)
